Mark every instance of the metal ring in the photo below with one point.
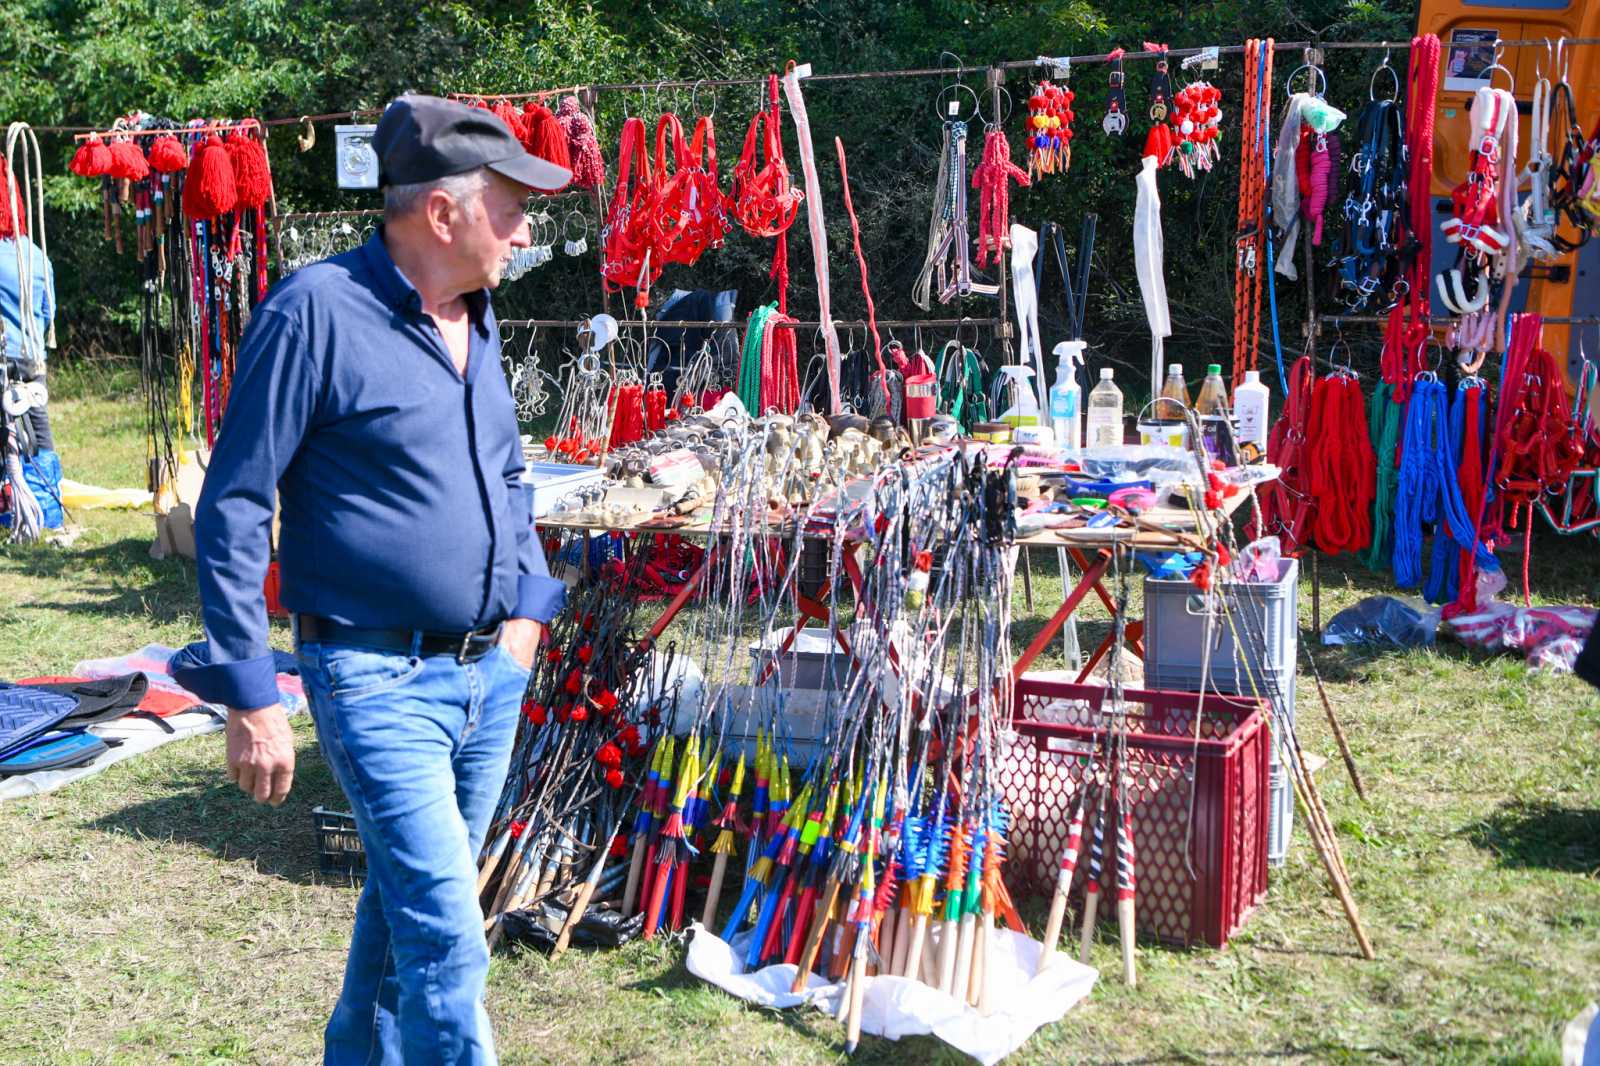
(957, 87)
(1372, 82)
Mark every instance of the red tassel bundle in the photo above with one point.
(167, 155)
(92, 159)
(583, 147)
(252, 178)
(127, 162)
(546, 139)
(513, 119)
(10, 226)
(209, 189)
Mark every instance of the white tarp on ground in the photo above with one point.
(894, 1007)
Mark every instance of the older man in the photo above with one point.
(369, 394)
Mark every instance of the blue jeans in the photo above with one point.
(420, 747)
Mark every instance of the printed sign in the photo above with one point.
(1468, 59)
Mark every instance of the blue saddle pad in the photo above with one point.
(27, 712)
(56, 750)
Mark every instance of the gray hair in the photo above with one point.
(466, 189)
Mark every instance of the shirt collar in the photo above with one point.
(396, 290)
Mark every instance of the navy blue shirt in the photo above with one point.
(399, 480)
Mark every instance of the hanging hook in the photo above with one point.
(1372, 83)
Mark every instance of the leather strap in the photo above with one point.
(466, 647)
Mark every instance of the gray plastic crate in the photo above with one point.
(1174, 642)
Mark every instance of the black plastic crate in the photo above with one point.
(339, 850)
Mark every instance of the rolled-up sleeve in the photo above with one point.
(272, 401)
(539, 596)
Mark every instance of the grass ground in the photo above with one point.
(152, 914)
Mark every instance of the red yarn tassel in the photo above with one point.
(92, 159)
(513, 119)
(546, 139)
(209, 189)
(251, 174)
(583, 147)
(127, 162)
(167, 155)
(10, 227)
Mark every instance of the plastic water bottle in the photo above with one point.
(1250, 410)
(1066, 413)
(1105, 412)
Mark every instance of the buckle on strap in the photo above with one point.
(492, 636)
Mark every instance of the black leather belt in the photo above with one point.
(467, 647)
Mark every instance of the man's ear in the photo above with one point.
(440, 209)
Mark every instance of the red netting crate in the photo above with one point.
(1226, 838)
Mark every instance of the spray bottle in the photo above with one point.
(1024, 408)
(1066, 396)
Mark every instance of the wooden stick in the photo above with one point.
(1326, 851)
(902, 941)
(575, 915)
(986, 939)
(819, 925)
(719, 870)
(886, 938)
(858, 984)
(962, 980)
(1091, 903)
(1125, 927)
(1338, 731)
(1052, 930)
(630, 894)
(912, 966)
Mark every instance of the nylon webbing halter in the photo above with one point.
(1374, 209)
(1252, 228)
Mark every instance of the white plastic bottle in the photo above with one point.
(1066, 397)
(1105, 413)
(1250, 410)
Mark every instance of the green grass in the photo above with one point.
(152, 914)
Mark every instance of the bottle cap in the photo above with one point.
(1252, 377)
(1174, 370)
(1213, 368)
(1105, 373)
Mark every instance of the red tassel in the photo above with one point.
(1159, 143)
(546, 138)
(167, 155)
(251, 175)
(208, 190)
(127, 162)
(92, 159)
(9, 227)
(513, 119)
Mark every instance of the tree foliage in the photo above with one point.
(84, 62)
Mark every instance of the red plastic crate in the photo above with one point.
(1043, 772)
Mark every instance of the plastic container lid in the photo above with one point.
(1213, 368)
(1174, 368)
(1252, 377)
(1105, 373)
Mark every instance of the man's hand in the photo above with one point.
(261, 753)
(520, 638)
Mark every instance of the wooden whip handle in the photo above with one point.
(574, 916)
(1091, 903)
(1126, 929)
(819, 925)
(1052, 930)
(719, 870)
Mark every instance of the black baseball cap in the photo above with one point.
(425, 138)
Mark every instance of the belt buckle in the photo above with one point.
(466, 642)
